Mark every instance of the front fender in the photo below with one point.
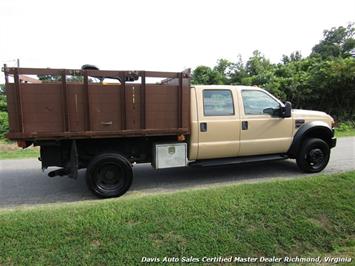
(314, 129)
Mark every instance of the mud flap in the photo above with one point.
(74, 161)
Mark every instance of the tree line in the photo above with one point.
(4, 123)
(324, 80)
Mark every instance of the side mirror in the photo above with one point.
(286, 111)
(269, 111)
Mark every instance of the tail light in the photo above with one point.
(23, 144)
(181, 138)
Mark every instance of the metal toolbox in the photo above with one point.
(169, 155)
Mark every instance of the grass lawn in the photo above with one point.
(11, 151)
(345, 129)
(19, 154)
(312, 215)
(345, 133)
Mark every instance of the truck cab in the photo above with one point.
(244, 121)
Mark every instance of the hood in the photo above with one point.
(310, 115)
(301, 112)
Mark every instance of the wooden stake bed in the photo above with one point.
(91, 108)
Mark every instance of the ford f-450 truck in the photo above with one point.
(106, 121)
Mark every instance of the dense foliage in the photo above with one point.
(325, 80)
(4, 124)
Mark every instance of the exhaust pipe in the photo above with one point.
(58, 172)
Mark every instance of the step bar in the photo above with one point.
(238, 160)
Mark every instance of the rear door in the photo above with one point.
(219, 124)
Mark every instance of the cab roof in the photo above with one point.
(218, 87)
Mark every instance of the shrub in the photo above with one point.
(4, 124)
(346, 126)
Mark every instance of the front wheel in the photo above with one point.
(109, 175)
(313, 156)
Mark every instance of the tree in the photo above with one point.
(295, 56)
(206, 75)
(3, 103)
(325, 80)
(225, 68)
(77, 79)
(332, 83)
(4, 124)
(336, 42)
(257, 64)
(49, 78)
(238, 71)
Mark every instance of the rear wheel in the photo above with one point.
(313, 156)
(109, 175)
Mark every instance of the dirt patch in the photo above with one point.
(8, 147)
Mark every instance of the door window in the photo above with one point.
(218, 103)
(255, 102)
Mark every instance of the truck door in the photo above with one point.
(218, 123)
(262, 133)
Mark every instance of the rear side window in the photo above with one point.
(218, 103)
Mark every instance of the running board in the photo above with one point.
(237, 160)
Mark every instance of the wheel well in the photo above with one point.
(320, 132)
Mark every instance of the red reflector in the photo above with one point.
(181, 138)
(22, 144)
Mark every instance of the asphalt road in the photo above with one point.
(23, 183)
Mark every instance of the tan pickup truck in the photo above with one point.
(106, 127)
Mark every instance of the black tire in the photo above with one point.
(313, 156)
(109, 175)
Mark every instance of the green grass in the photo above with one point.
(345, 129)
(311, 215)
(345, 133)
(4, 141)
(9, 150)
(19, 154)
